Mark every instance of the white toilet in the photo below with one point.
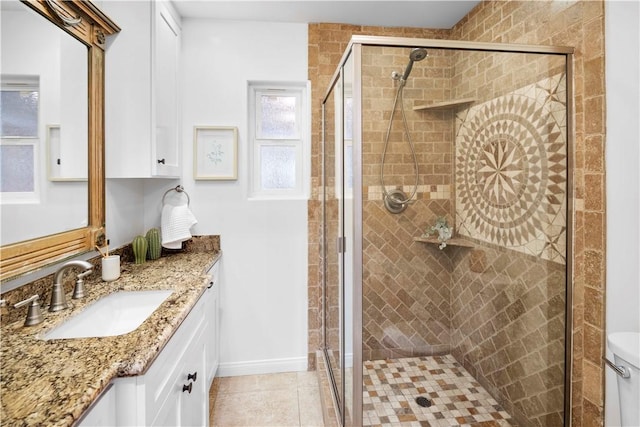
(626, 350)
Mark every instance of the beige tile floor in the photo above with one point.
(287, 399)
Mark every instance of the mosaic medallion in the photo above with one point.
(511, 170)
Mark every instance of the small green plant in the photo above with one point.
(139, 246)
(154, 249)
(442, 229)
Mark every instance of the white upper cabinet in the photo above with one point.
(141, 91)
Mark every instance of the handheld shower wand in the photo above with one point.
(396, 201)
(417, 54)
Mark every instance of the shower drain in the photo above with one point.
(423, 401)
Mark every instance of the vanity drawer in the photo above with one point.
(162, 374)
(185, 403)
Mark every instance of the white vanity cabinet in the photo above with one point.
(141, 91)
(174, 391)
(212, 302)
(187, 395)
(103, 411)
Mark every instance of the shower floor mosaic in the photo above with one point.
(392, 386)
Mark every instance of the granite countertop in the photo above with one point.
(53, 382)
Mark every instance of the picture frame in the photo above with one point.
(215, 153)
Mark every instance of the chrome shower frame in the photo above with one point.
(355, 48)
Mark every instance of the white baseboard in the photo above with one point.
(256, 367)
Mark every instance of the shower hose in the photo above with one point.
(395, 198)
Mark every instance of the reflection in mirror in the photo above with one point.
(44, 118)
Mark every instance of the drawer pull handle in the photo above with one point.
(187, 388)
(161, 161)
(192, 376)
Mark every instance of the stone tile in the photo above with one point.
(478, 261)
(285, 399)
(592, 415)
(593, 350)
(309, 406)
(594, 307)
(593, 380)
(594, 154)
(277, 407)
(307, 379)
(392, 386)
(594, 269)
(266, 382)
(594, 197)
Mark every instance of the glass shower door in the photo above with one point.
(338, 240)
(349, 235)
(332, 241)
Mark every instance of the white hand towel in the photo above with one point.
(176, 222)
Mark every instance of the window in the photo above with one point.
(19, 106)
(279, 118)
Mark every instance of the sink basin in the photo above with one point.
(114, 314)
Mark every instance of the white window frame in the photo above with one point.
(21, 83)
(302, 144)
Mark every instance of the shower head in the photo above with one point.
(417, 54)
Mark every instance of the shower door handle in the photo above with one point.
(341, 245)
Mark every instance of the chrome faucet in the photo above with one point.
(58, 298)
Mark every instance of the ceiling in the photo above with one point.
(389, 13)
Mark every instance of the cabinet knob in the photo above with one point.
(161, 161)
(192, 376)
(210, 284)
(187, 388)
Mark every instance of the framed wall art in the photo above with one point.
(215, 153)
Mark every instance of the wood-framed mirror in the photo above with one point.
(83, 21)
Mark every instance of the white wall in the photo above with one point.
(264, 243)
(125, 210)
(623, 181)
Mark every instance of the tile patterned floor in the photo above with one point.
(391, 388)
(287, 399)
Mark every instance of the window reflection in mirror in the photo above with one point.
(44, 127)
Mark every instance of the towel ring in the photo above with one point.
(177, 189)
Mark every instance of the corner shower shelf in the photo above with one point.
(443, 105)
(455, 241)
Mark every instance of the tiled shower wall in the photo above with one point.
(327, 43)
(578, 24)
(406, 289)
(508, 329)
(508, 305)
(511, 151)
(504, 319)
